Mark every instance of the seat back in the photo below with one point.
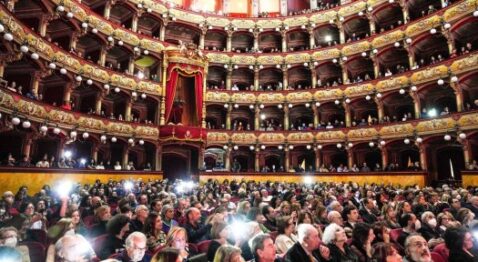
(442, 250)
(37, 235)
(437, 257)
(273, 235)
(395, 233)
(36, 250)
(203, 246)
(98, 243)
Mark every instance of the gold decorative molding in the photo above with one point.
(270, 98)
(271, 138)
(362, 134)
(460, 10)
(429, 74)
(330, 136)
(394, 131)
(434, 125)
(243, 138)
(300, 137)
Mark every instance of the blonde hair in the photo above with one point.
(225, 253)
(173, 232)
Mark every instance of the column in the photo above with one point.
(257, 117)
(27, 146)
(284, 40)
(380, 110)
(257, 168)
(131, 65)
(134, 23)
(371, 24)
(95, 149)
(467, 153)
(157, 163)
(107, 11)
(256, 78)
(318, 159)
(202, 38)
(99, 97)
(36, 83)
(423, 156)
(411, 55)
(341, 32)
(416, 104)
(406, 15)
(103, 56)
(229, 41)
(256, 40)
(350, 158)
(43, 25)
(229, 78)
(74, 41)
(286, 117)
(11, 5)
(255, 8)
(315, 110)
(162, 31)
(127, 113)
(67, 95)
(125, 157)
(313, 74)
(286, 158)
(348, 115)
(283, 8)
(2, 69)
(311, 37)
(228, 159)
(458, 94)
(449, 40)
(228, 118)
(345, 75)
(376, 66)
(285, 78)
(384, 153)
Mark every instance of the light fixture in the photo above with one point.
(2, 28)
(52, 65)
(130, 141)
(319, 146)
(69, 15)
(236, 147)
(317, 104)
(375, 50)
(382, 142)
(447, 25)
(60, 8)
(63, 71)
(117, 89)
(280, 147)
(454, 79)
(396, 44)
(406, 141)
(462, 135)
(414, 88)
(371, 144)
(328, 38)
(120, 42)
(360, 13)
(110, 39)
(56, 131)
(339, 145)
(337, 101)
(85, 135)
(368, 97)
(447, 137)
(26, 124)
(290, 105)
(43, 129)
(432, 112)
(379, 95)
(143, 96)
(475, 13)
(263, 147)
(16, 121)
(84, 25)
(94, 31)
(226, 105)
(251, 147)
(364, 54)
(24, 48)
(408, 40)
(251, 107)
(401, 91)
(419, 140)
(307, 105)
(141, 142)
(291, 147)
(433, 31)
(73, 134)
(347, 100)
(89, 82)
(279, 106)
(78, 78)
(308, 147)
(114, 139)
(103, 138)
(106, 86)
(35, 56)
(263, 116)
(350, 144)
(261, 106)
(8, 37)
(236, 106)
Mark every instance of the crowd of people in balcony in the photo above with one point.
(234, 220)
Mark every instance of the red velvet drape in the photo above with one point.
(170, 92)
(198, 84)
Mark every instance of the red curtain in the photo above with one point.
(170, 92)
(173, 71)
(199, 87)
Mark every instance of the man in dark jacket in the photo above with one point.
(196, 231)
(366, 212)
(308, 248)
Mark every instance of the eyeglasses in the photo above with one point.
(419, 244)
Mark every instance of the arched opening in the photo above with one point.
(301, 118)
(464, 41)
(421, 8)
(242, 159)
(114, 105)
(273, 162)
(216, 117)
(215, 40)
(176, 33)
(84, 98)
(270, 42)
(331, 115)
(445, 158)
(328, 74)
(360, 69)
(242, 79)
(387, 17)
(214, 158)
(242, 119)
(60, 32)
(302, 159)
(179, 162)
(216, 77)
(298, 40)
(122, 14)
(393, 61)
(398, 107)
(149, 66)
(270, 79)
(430, 49)
(89, 47)
(52, 89)
(436, 98)
(401, 156)
(364, 112)
(12, 143)
(145, 110)
(356, 28)
(118, 58)
(299, 78)
(364, 155)
(242, 42)
(271, 119)
(326, 35)
(21, 74)
(150, 25)
(46, 146)
(30, 13)
(332, 157)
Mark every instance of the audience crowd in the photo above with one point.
(238, 221)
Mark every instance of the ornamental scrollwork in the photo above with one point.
(271, 138)
(243, 138)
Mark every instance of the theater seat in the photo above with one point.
(98, 243)
(203, 246)
(36, 251)
(442, 250)
(37, 235)
(273, 235)
(89, 221)
(395, 233)
(437, 257)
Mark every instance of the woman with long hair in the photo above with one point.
(153, 229)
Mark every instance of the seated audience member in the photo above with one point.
(178, 238)
(429, 228)
(9, 238)
(460, 243)
(153, 228)
(286, 238)
(416, 249)
(386, 252)
(102, 215)
(73, 248)
(197, 232)
(263, 248)
(270, 216)
(141, 213)
(117, 228)
(308, 248)
(362, 238)
(219, 235)
(27, 219)
(366, 212)
(135, 249)
(167, 214)
(410, 224)
(167, 255)
(228, 254)
(335, 239)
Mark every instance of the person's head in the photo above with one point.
(167, 213)
(335, 217)
(381, 231)
(465, 216)
(118, 225)
(308, 237)
(75, 216)
(333, 233)
(428, 218)
(362, 234)
(27, 208)
(368, 203)
(268, 212)
(386, 252)
(444, 219)
(285, 225)
(141, 212)
(416, 248)
(8, 236)
(454, 203)
(156, 206)
(305, 217)
(219, 230)
(193, 215)
(177, 238)
(8, 197)
(153, 224)
(135, 245)
(263, 248)
(167, 255)
(73, 248)
(243, 207)
(228, 254)
(350, 214)
(405, 207)
(103, 213)
(458, 238)
(409, 221)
